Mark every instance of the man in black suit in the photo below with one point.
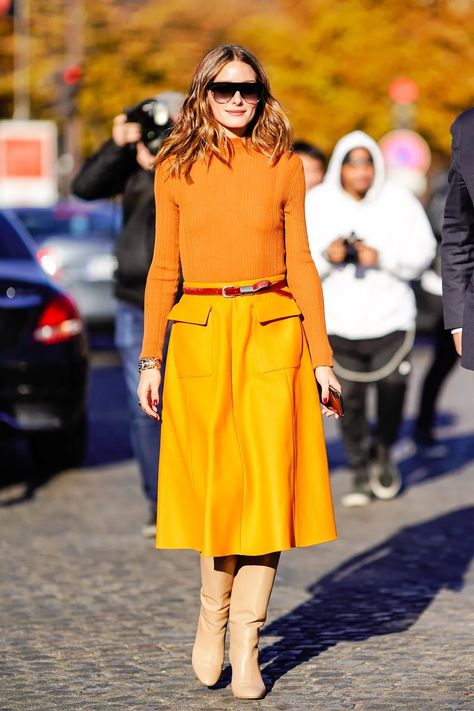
(457, 246)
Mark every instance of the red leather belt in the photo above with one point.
(259, 287)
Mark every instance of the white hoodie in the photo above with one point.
(368, 302)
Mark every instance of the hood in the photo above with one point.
(356, 139)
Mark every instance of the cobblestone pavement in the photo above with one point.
(94, 618)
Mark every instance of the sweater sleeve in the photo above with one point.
(413, 246)
(105, 174)
(302, 276)
(163, 275)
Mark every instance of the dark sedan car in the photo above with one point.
(75, 244)
(43, 355)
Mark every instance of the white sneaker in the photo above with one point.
(355, 498)
(149, 528)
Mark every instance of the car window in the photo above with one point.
(69, 221)
(11, 243)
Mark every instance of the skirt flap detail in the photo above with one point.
(190, 310)
(273, 307)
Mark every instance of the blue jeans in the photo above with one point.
(145, 432)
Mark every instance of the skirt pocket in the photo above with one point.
(278, 332)
(191, 337)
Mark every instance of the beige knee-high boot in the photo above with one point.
(250, 596)
(217, 576)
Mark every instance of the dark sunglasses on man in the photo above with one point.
(223, 91)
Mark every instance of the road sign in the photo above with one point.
(407, 157)
(28, 156)
(404, 148)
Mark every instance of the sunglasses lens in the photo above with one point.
(249, 91)
(250, 94)
(222, 93)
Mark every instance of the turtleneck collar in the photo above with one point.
(240, 142)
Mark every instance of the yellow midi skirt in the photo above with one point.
(243, 466)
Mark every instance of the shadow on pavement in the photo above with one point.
(384, 590)
(417, 468)
(335, 449)
(108, 435)
(17, 468)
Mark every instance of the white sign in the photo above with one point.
(28, 156)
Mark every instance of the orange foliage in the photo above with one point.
(330, 61)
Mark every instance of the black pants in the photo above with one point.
(445, 357)
(364, 356)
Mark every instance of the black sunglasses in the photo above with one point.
(223, 91)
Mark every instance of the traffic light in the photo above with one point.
(68, 81)
(404, 93)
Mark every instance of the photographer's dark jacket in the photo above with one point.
(368, 302)
(112, 171)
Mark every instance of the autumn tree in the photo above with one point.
(330, 61)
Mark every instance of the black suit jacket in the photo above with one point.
(457, 245)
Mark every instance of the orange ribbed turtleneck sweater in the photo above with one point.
(230, 224)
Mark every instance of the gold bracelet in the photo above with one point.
(147, 363)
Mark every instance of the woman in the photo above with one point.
(243, 471)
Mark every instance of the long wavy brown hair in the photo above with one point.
(196, 133)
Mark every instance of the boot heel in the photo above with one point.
(247, 682)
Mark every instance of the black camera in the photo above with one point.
(153, 116)
(352, 256)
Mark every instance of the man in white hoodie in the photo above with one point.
(369, 237)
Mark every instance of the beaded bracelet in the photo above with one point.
(147, 363)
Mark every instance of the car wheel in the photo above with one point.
(63, 449)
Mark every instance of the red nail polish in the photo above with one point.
(155, 402)
(325, 400)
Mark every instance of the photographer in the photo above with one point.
(123, 166)
(369, 238)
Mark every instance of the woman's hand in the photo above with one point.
(325, 377)
(147, 391)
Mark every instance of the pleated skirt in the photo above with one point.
(243, 466)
